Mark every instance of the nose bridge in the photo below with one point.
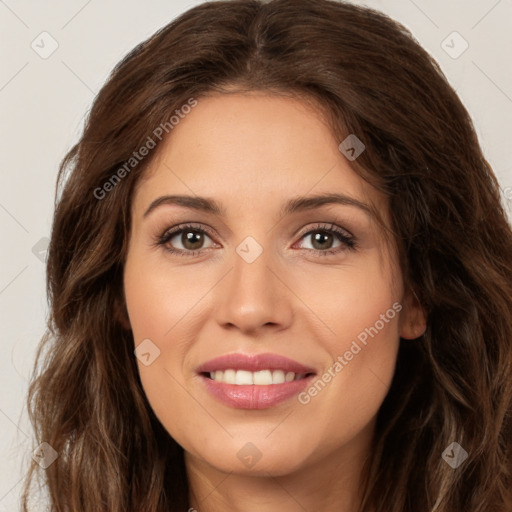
(253, 295)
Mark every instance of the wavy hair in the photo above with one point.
(372, 79)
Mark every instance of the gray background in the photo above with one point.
(43, 101)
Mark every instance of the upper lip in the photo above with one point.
(253, 363)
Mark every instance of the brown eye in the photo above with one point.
(190, 239)
(323, 237)
(185, 240)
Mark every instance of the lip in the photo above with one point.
(254, 363)
(253, 396)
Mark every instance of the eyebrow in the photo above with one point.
(208, 205)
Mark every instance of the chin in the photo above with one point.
(254, 459)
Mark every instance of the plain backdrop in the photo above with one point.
(43, 99)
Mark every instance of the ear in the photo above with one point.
(413, 321)
(121, 314)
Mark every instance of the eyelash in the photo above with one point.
(349, 241)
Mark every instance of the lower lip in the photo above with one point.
(252, 396)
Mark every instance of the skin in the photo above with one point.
(251, 153)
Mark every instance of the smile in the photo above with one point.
(254, 381)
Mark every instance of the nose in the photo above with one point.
(254, 296)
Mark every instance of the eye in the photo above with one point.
(190, 237)
(323, 236)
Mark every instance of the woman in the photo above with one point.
(280, 278)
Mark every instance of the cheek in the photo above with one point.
(342, 403)
(361, 310)
(354, 302)
(162, 305)
(158, 297)
(157, 314)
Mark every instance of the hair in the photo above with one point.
(372, 79)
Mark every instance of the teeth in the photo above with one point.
(243, 377)
(277, 377)
(229, 377)
(260, 378)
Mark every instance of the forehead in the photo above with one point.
(252, 149)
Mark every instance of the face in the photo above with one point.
(269, 326)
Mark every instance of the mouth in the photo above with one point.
(254, 381)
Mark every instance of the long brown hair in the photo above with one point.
(453, 384)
